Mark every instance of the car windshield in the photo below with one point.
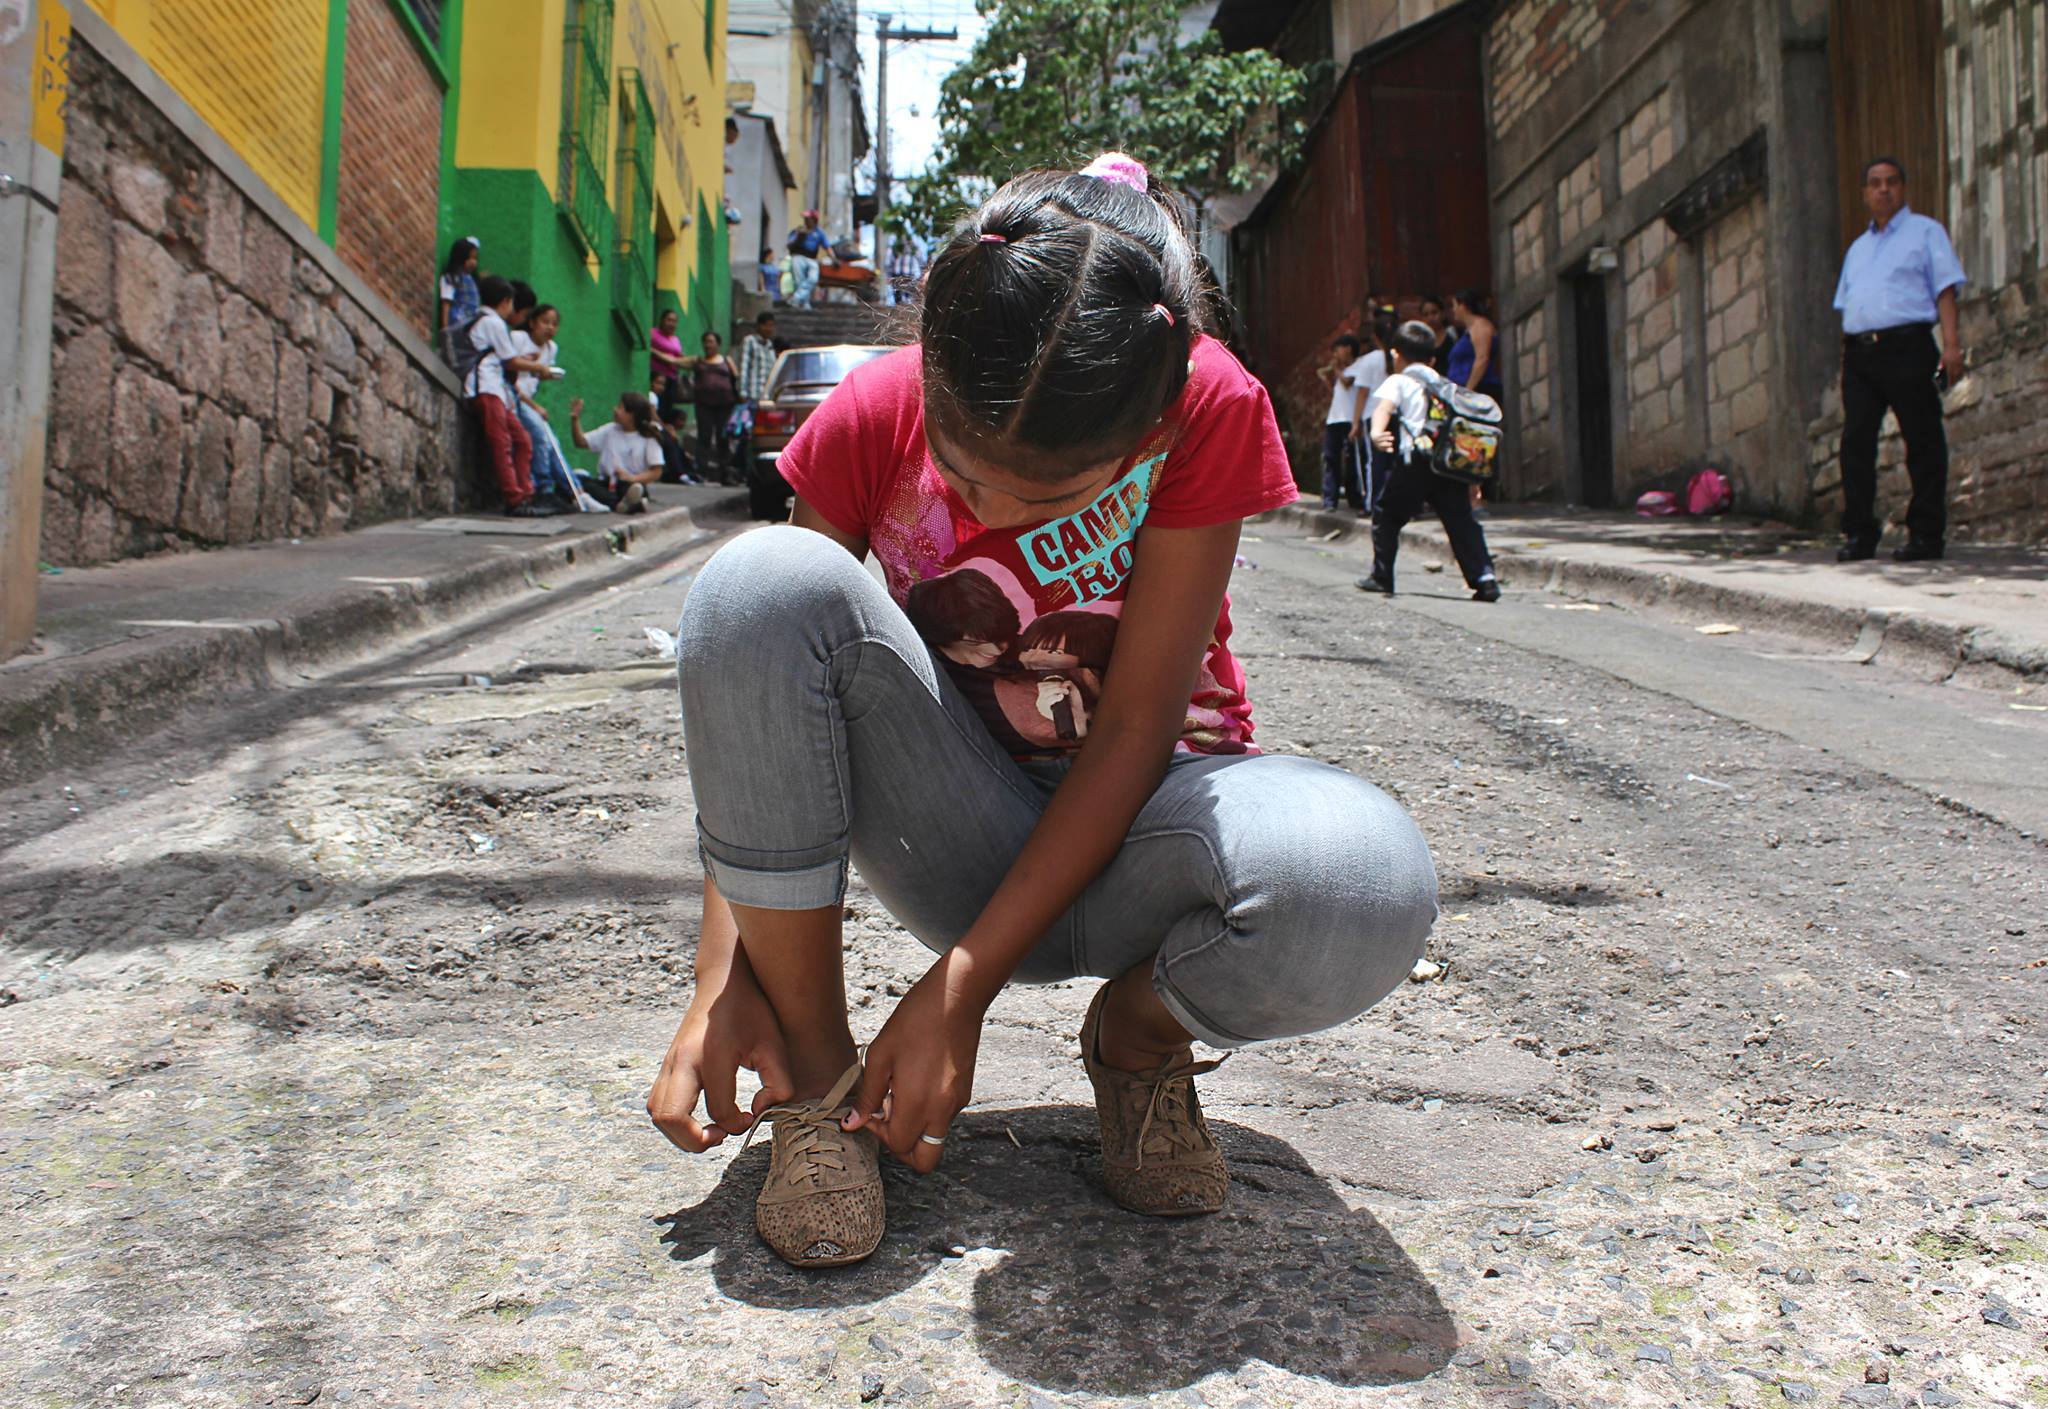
(824, 366)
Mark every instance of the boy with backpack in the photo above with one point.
(485, 359)
(1444, 440)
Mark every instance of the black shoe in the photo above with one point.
(1917, 552)
(1857, 550)
(531, 509)
(1373, 582)
(1488, 590)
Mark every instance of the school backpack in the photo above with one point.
(1709, 492)
(1460, 432)
(460, 352)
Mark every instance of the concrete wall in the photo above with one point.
(754, 184)
(219, 375)
(778, 68)
(1619, 126)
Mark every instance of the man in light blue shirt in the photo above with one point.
(1898, 280)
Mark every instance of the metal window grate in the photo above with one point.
(428, 14)
(632, 265)
(586, 111)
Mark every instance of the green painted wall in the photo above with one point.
(524, 238)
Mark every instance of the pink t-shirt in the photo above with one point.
(657, 370)
(1026, 618)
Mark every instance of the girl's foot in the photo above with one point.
(1158, 1156)
(822, 1203)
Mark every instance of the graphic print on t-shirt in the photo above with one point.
(1024, 620)
(1033, 680)
(1090, 551)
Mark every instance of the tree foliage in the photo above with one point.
(1056, 82)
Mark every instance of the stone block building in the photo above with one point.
(1673, 186)
(237, 352)
(255, 199)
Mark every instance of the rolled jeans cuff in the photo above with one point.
(1189, 1017)
(774, 880)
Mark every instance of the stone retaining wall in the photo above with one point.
(213, 383)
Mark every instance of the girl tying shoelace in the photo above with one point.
(1032, 738)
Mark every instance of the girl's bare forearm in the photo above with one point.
(1080, 832)
(718, 943)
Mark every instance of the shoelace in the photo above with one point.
(1173, 1105)
(814, 1121)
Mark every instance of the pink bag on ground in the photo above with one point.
(1708, 492)
(1657, 504)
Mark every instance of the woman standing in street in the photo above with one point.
(717, 393)
(665, 360)
(1475, 358)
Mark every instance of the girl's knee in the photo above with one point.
(1320, 932)
(763, 578)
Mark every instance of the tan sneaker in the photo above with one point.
(822, 1204)
(1158, 1156)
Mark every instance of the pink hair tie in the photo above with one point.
(1164, 312)
(1122, 169)
(995, 239)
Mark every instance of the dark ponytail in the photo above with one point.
(1058, 318)
(642, 412)
(458, 255)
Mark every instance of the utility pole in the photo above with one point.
(883, 34)
(35, 41)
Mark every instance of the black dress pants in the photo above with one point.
(1896, 371)
(1340, 467)
(1413, 486)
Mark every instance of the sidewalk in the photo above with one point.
(120, 648)
(1980, 615)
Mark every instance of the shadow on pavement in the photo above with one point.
(1089, 1297)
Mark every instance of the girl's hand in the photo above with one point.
(719, 1034)
(1384, 440)
(575, 406)
(923, 1063)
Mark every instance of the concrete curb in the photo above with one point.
(1902, 640)
(63, 707)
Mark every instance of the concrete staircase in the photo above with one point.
(845, 322)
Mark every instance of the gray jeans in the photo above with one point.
(820, 726)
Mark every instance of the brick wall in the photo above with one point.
(1738, 343)
(1648, 140)
(390, 162)
(1578, 198)
(211, 383)
(1653, 338)
(1532, 371)
(1533, 42)
(1525, 243)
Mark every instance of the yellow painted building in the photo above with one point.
(589, 161)
(255, 70)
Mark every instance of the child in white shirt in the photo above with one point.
(536, 342)
(1400, 414)
(491, 396)
(629, 455)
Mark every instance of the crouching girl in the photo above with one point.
(1033, 805)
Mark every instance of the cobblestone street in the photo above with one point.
(326, 1022)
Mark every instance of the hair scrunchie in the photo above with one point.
(1120, 168)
